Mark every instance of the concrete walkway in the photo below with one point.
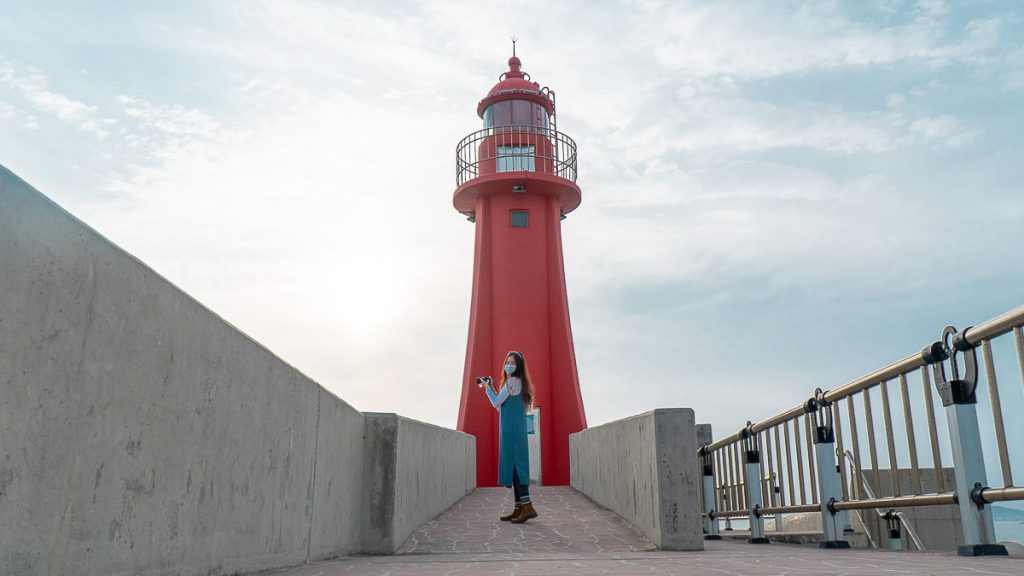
(574, 536)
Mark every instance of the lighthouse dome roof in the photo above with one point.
(514, 79)
(515, 85)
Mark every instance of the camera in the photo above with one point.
(482, 381)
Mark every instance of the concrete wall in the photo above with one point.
(938, 526)
(703, 432)
(142, 434)
(414, 472)
(644, 468)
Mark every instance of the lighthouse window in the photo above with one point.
(515, 158)
(515, 113)
(519, 219)
(498, 114)
(522, 113)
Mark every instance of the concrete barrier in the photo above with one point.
(414, 472)
(140, 433)
(644, 468)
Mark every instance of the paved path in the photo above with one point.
(569, 523)
(574, 536)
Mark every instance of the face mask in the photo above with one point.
(510, 368)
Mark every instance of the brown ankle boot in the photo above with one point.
(511, 515)
(525, 513)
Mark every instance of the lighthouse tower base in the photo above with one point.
(519, 303)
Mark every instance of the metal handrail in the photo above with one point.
(848, 458)
(998, 326)
(815, 431)
(515, 148)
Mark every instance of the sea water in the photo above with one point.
(1012, 530)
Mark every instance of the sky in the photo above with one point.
(777, 196)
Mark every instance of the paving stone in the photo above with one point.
(575, 536)
(568, 523)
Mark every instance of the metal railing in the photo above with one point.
(888, 516)
(794, 453)
(515, 148)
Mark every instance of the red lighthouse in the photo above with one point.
(516, 180)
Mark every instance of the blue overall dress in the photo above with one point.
(513, 452)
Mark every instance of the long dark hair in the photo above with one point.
(522, 373)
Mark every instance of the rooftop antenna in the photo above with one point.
(514, 45)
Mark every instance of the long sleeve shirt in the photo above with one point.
(513, 387)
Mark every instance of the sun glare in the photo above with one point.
(368, 295)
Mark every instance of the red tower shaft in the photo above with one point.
(516, 181)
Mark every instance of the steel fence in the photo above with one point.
(812, 457)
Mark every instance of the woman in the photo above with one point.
(513, 399)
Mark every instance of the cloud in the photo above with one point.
(348, 226)
(1012, 70)
(766, 41)
(10, 112)
(7, 111)
(32, 87)
(334, 43)
(945, 130)
(173, 119)
(744, 168)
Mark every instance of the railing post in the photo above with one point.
(752, 474)
(829, 484)
(710, 522)
(958, 397)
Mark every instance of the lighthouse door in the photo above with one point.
(533, 442)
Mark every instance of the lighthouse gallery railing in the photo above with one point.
(515, 148)
(813, 457)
